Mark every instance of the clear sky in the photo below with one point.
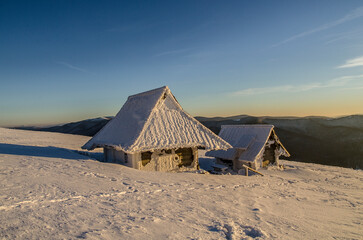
(64, 61)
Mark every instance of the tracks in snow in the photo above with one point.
(45, 202)
(131, 190)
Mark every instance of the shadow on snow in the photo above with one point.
(35, 151)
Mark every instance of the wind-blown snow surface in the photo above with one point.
(49, 192)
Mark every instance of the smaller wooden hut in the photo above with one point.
(152, 132)
(253, 145)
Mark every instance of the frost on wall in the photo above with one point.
(169, 160)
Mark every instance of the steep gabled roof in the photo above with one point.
(248, 141)
(154, 120)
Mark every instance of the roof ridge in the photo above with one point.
(247, 125)
(148, 92)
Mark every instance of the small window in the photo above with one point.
(145, 158)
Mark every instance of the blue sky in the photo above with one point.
(64, 61)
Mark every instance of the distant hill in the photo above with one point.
(87, 127)
(323, 140)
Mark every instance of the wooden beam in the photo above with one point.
(251, 169)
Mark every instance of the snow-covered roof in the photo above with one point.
(248, 141)
(154, 120)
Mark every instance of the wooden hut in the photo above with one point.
(152, 132)
(253, 145)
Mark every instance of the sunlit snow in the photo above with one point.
(48, 191)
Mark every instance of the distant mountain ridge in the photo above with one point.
(323, 140)
(88, 127)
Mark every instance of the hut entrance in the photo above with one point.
(269, 155)
(185, 156)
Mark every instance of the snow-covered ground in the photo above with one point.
(48, 191)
